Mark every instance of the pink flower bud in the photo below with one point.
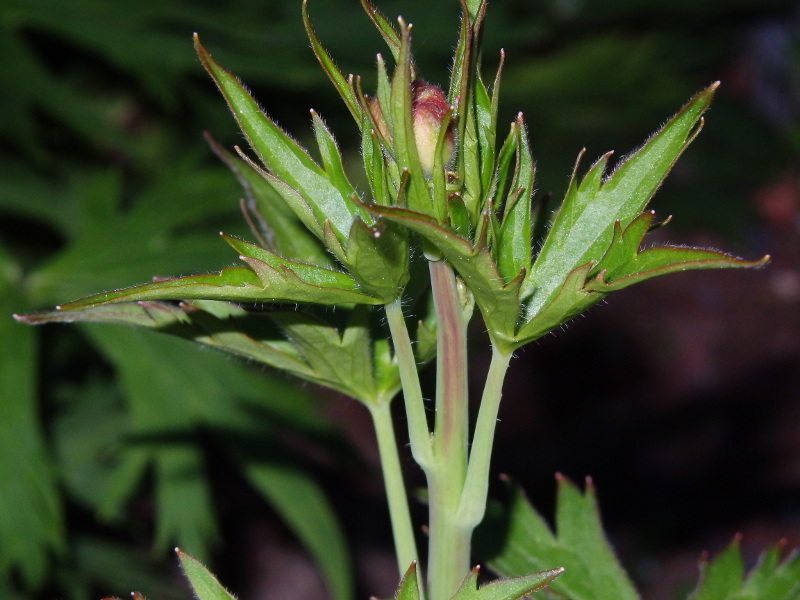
(428, 107)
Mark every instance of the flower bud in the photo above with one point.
(428, 107)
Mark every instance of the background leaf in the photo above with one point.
(520, 541)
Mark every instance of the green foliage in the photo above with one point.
(518, 540)
(320, 240)
(504, 589)
(204, 584)
(723, 578)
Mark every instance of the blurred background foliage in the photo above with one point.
(107, 181)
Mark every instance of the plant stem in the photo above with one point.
(402, 528)
(449, 541)
(418, 433)
(472, 506)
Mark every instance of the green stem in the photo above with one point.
(449, 541)
(472, 506)
(402, 528)
(418, 433)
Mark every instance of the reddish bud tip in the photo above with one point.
(429, 107)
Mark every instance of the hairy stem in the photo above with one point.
(472, 506)
(402, 528)
(449, 541)
(418, 433)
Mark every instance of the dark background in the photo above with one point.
(680, 396)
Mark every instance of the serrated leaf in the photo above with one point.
(264, 283)
(311, 274)
(521, 541)
(278, 226)
(583, 227)
(340, 360)
(623, 265)
(504, 589)
(204, 584)
(721, 578)
(409, 585)
(279, 153)
(223, 326)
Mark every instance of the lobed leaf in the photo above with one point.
(279, 153)
(282, 232)
(583, 228)
(520, 541)
(341, 360)
(623, 265)
(272, 279)
(723, 578)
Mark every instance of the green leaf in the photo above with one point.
(514, 251)
(504, 589)
(384, 27)
(331, 157)
(279, 153)
(771, 580)
(409, 585)
(276, 224)
(301, 503)
(264, 263)
(723, 578)
(165, 399)
(624, 265)
(219, 325)
(498, 302)
(31, 519)
(340, 360)
(204, 584)
(341, 84)
(405, 146)
(377, 256)
(519, 541)
(282, 282)
(583, 228)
